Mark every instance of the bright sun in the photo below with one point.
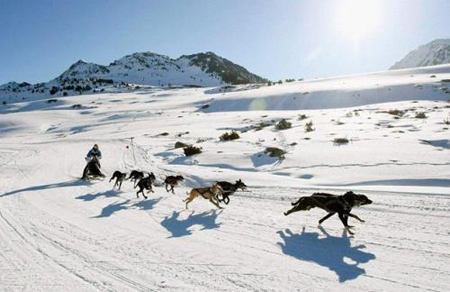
(357, 19)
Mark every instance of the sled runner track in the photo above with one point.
(44, 254)
(266, 226)
(296, 191)
(95, 265)
(111, 270)
(34, 232)
(294, 195)
(92, 265)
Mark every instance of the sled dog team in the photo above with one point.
(221, 191)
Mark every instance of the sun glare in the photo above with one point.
(357, 19)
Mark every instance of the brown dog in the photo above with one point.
(172, 181)
(209, 193)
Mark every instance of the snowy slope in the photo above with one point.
(59, 233)
(436, 52)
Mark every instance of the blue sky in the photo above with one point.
(275, 39)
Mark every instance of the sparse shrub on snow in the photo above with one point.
(261, 126)
(340, 140)
(302, 117)
(191, 150)
(275, 152)
(396, 112)
(447, 121)
(180, 145)
(233, 135)
(283, 124)
(309, 127)
(421, 115)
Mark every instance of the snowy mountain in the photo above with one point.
(82, 69)
(436, 52)
(203, 69)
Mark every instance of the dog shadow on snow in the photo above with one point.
(328, 251)
(180, 228)
(91, 197)
(126, 205)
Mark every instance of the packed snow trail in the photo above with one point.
(69, 234)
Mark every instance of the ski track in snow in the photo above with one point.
(62, 234)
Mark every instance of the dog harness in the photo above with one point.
(340, 199)
(208, 190)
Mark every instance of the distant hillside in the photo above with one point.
(436, 52)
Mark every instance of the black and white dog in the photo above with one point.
(332, 204)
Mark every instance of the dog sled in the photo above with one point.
(92, 170)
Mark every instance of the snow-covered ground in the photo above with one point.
(62, 234)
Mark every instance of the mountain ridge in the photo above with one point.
(436, 52)
(149, 68)
(140, 68)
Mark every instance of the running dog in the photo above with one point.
(145, 184)
(172, 181)
(120, 177)
(332, 204)
(209, 193)
(229, 189)
(136, 176)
